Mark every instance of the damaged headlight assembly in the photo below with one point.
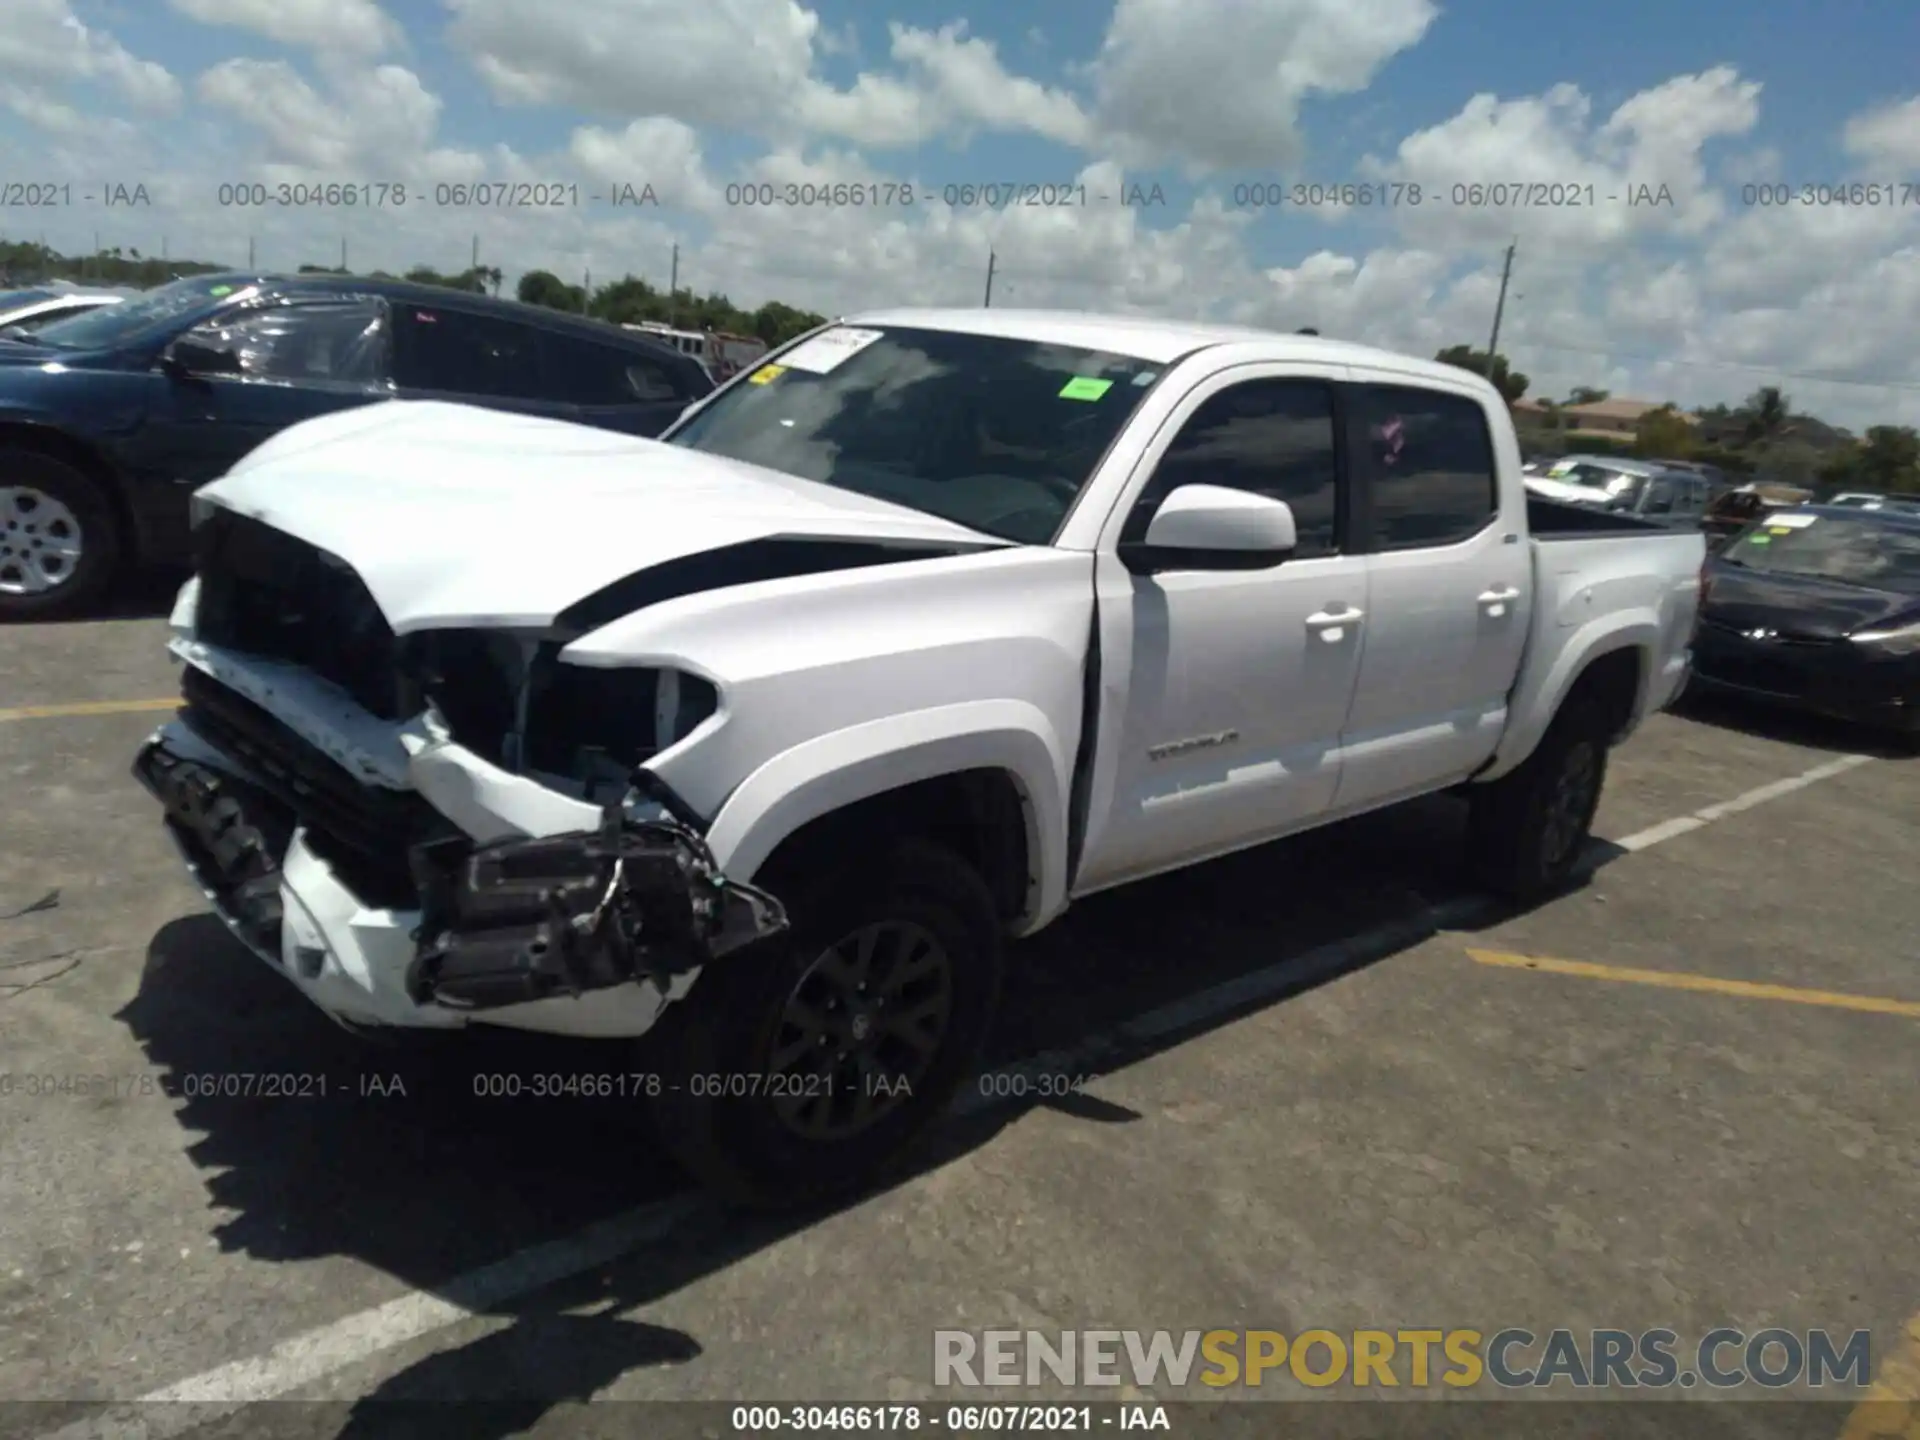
(638, 899)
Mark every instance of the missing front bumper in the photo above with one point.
(501, 924)
(521, 920)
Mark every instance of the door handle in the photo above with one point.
(1332, 625)
(1496, 601)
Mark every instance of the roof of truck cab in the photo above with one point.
(1145, 338)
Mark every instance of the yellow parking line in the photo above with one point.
(1891, 1408)
(88, 707)
(1676, 980)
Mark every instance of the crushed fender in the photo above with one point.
(519, 920)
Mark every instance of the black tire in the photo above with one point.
(1529, 828)
(722, 1036)
(101, 543)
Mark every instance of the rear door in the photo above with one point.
(470, 358)
(615, 387)
(1449, 579)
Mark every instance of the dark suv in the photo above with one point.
(111, 419)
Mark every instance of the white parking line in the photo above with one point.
(328, 1349)
(1759, 795)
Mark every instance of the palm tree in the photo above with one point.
(1769, 414)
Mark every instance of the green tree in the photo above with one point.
(1768, 413)
(1889, 458)
(1509, 382)
(543, 287)
(1664, 432)
(1586, 395)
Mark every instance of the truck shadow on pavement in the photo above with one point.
(407, 1163)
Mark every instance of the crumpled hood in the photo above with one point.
(454, 515)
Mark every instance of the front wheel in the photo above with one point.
(1529, 828)
(801, 1069)
(59, 538)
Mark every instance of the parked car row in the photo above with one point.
(1651, 490)
(112, 416)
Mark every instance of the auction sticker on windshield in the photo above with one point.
(1780, 524)
(766, 374)
(1085, 387)
(828, 351)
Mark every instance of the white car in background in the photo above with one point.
(1587, 479)
(24, 311)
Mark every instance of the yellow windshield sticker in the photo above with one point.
(766, 374)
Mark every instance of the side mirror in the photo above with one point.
(1209, 527)
(187, 356)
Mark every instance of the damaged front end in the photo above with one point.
(521, 920)
(480, 925)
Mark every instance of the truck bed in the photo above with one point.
(1551, 520)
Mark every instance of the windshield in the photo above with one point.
(110, 325)
(1580, 472)
(995, 434)
(1861, 552)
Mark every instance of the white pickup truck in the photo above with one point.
(775, 730)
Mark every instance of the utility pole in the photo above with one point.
(673, 275)
(1499, 308)
(586, 290)
(249, 252)
(343, 254)
(475, 265)
(987, 303)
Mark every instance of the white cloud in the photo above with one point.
(1889, 135)
(44, 44)
(1219, 83)
(1537, 168)
(719, 62)
(352, 26)
(1698, 301)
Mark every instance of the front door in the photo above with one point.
(1223, 693)
(1451, 587)
(278, 365)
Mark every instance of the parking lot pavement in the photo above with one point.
(1335, 1115)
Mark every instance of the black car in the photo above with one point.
(111, 419)
(1818, 607)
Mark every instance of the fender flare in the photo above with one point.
(1635, 630)
(833, 771)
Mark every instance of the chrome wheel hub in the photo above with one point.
(40, 541)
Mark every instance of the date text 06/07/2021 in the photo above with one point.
(951, 1419)
(201, 1085)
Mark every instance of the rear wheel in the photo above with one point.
(59, 538)
(1529, 828)
(803, 1068)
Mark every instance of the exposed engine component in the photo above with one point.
(520, 920)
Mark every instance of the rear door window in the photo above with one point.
(1429, 468)
(459, 353)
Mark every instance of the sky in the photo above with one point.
(1701, 198)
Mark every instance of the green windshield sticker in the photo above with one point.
(1084, 387)
(221, 290)
(1760, 539)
